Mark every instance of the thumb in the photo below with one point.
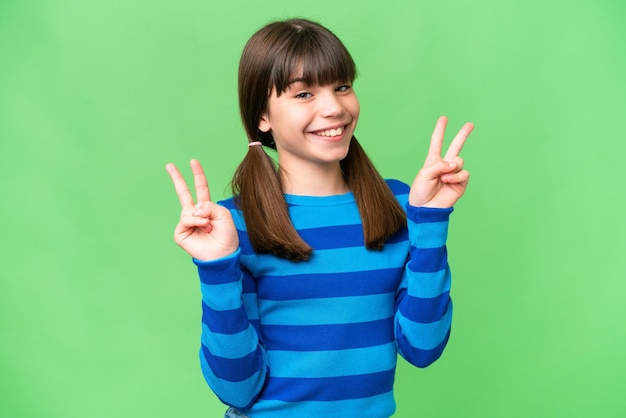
(439, 168)
(208, 209)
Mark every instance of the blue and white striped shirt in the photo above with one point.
(321, 337)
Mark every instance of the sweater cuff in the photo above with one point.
(219, 271)
(420, 214)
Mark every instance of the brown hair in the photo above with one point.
(270, 58)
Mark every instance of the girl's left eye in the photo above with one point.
(343, 87)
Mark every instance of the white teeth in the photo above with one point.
(331, 132)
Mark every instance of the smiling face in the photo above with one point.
(271, 59)
(311, 124)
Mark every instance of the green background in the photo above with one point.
(100, 310)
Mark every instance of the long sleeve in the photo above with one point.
(318, 324)
(232, 358)
(424, 308)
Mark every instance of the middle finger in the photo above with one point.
(459, 140)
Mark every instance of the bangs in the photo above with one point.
(314, 58)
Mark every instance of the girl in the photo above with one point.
(317, 272)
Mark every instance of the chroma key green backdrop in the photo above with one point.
(100, 311)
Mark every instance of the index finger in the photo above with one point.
(436, 140)
(459, 140)
(199, 180)
(184, 195)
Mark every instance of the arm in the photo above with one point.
(232, 359)
(424, 307)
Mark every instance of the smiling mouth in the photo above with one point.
(330, 132)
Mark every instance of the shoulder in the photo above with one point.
(400, 190)
(398, 187)
(229, 203)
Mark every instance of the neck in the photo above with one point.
(314, 180)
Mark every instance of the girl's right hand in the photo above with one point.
(206, 230)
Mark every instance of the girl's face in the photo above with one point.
(311, 124)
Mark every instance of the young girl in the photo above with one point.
(317, 272)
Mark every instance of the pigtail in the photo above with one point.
(381, 214)
(259, 194)
(269, 61)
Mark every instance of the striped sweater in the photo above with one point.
(321, 338)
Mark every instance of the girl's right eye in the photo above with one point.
(303, 95)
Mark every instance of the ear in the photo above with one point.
(264, 123)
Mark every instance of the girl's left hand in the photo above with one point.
(441, 181)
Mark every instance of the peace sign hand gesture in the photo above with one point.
(206, 230)
(441, 181)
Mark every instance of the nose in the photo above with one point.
(331, 105)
